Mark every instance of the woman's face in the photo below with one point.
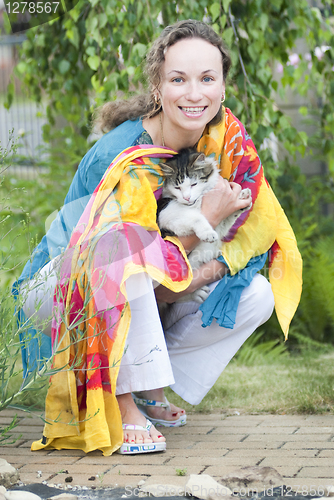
(191, 87)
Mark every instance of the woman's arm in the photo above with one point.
(204, 275)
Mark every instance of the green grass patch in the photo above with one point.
(290, 383)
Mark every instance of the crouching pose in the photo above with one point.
(103, 266)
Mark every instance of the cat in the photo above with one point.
(187, 177)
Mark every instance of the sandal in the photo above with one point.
(143, 403)
(134, 448)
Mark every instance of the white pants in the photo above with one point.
(183, 355)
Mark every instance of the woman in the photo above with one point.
(187, 69)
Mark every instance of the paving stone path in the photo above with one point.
(299, 447)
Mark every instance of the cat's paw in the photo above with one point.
(244, 195)
(201, 294)
(208, 235)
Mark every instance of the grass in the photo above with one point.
(291, 383)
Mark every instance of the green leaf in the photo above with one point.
(304, 137)
(64, 66)
(93, 62)
(91, 50)
(264, 21)
(228, 36)
(222, 20)
(10, 95)
(243, 33)
(21, 67)
(214, 10)
(317, 14)
(102, 20)
(303, 110)
(140, 49)
(274, 85)
(284, 122)
(226, 4)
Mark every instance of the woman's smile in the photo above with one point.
(193, 112)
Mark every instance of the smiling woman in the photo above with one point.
(117, 353)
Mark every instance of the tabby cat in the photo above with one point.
(188, 175)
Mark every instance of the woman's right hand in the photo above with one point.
(222, 200)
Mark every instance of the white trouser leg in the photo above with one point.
(145, 364)
(198, 355)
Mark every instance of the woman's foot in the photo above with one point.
(131, 415)
(157, 412)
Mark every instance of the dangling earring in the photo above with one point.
(223, 98)
(157, 101)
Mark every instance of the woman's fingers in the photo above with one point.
(222, 201)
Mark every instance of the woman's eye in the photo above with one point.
(207, 79)
(177, 80)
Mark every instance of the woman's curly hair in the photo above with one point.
(113, 113)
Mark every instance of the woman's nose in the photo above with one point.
(194, 93)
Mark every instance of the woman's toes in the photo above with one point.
(156, 435)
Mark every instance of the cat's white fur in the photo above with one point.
(183, 217)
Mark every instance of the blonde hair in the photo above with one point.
(113, 113)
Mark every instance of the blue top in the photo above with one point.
(89, 173)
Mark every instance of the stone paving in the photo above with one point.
(299, 447)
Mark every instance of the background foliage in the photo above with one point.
(95, 53)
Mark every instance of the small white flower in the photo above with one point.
(294, 59)
(320, 51)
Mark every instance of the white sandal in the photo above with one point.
(142, 404)
(134, 448)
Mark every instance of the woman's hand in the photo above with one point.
(222, 201)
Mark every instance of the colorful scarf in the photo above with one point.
(117, 236)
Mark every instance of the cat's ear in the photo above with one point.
(201, 157)
(196, 159)
(167, 170)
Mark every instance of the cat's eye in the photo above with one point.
(194, 184)
(177, 187)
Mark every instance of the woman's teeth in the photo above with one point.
(193, 110)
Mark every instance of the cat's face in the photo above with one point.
(188, 175)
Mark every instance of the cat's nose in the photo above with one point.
(187, 198)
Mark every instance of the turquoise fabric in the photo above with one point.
(222, 303)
